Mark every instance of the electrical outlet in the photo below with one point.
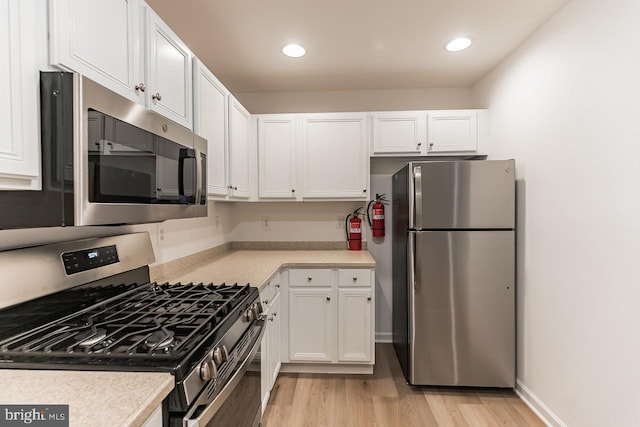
(161, 235)
(340, 223)
(266, 223)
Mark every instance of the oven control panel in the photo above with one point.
(88, 259)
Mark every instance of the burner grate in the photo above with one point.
(159, 321)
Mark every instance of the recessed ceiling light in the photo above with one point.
(458, 44)
(294, 50)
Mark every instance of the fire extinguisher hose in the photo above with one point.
(346, 228)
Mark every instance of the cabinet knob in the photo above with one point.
(431, 144)
(328, 298)
(419, 144)
(157, 96)
(141, 87)
(364, 191)
(309, 279)
(368, 298)
(271, 318)
(235, 188)
(293, 190)
(278, 285)
(355, 278)
(230, 187)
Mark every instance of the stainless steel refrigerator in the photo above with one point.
(454, 272)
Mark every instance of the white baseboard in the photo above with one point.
(537, 406)
(386, 337)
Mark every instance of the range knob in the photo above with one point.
(257, 308)
(250, 314)
(208, 371)
(220, 355)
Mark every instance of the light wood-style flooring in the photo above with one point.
(384, 399)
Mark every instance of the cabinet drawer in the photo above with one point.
(354, 277)
(313, 277)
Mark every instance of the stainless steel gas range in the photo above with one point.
(89, 305)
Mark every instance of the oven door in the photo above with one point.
(239, 402)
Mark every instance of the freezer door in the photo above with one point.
(467, 194)
(462, 309)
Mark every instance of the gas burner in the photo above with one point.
(91, 337)
(159, 340)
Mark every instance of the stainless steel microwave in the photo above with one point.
(107, 160)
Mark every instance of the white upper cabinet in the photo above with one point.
(22, 38)
(430, 133)
(168, 72)
(452, 131)
(124, 46)
(335, 156)
(102, 40)
(399, 132)
(277, 156)
(239, 156)
(210, 122)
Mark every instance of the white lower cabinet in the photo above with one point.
(331, 317)
(355, 308)
(312, 324)
(155, 419)
(270, 354)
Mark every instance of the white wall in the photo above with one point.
(355, 100)
(294, 221)
(566, 106)
(170, 239)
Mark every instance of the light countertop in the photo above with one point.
(95, 398)
(257, 267)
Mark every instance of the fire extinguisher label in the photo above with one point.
(355, 230)
(378, 216)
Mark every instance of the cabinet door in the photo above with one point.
(263, 354)
(335, 161)
(239, 123)
(169, 72)
(399, 132)
(277, 156)
(22, 34)
(274, 340)
(312, 327)
(355, 334)
(210, 100)
(102, 40)
(452, 131)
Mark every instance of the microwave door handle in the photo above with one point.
(198, 180)
(186, 153)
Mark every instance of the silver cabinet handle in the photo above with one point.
(141, 87)
(157, 97)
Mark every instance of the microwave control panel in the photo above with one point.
(88, 259)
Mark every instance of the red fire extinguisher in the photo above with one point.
(353, 226)
(376, 221)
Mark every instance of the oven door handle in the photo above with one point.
(207, 414)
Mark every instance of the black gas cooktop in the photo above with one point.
(146, 326)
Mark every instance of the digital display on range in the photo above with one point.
(88, 259)
(92, 254)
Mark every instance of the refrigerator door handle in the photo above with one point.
(415, 202)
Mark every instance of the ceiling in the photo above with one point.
(351, 44)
